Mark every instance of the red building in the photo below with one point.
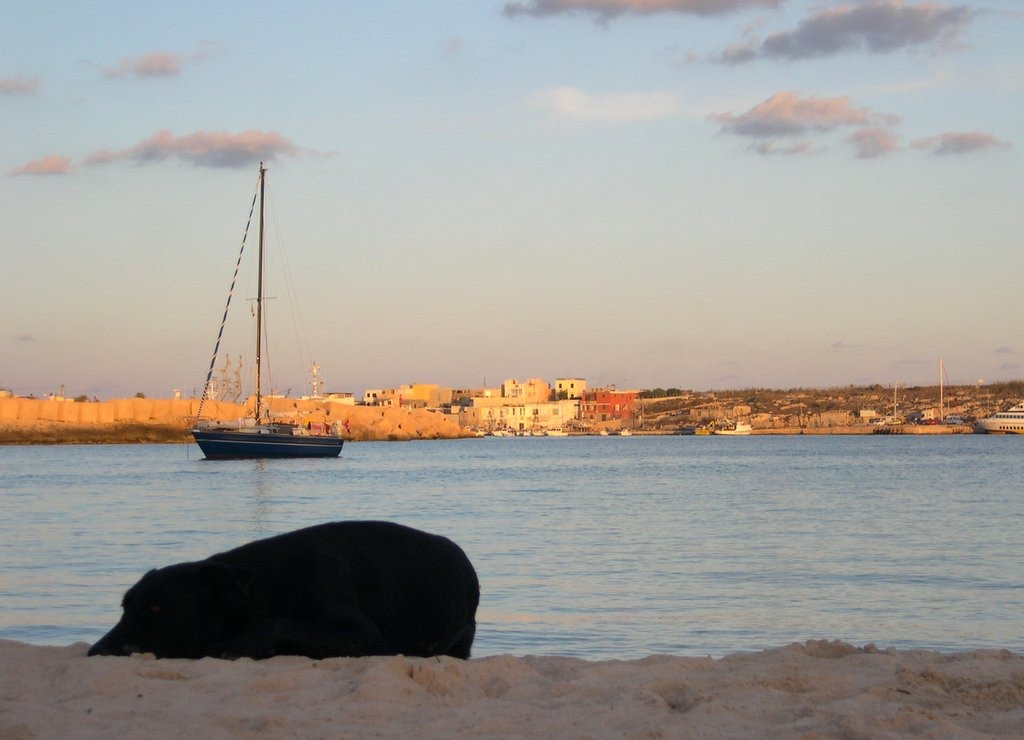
(607, 404)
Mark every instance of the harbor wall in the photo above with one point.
(359, 422)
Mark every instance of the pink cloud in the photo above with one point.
(960, 142)
(787, 114)
(160, 64)
(157, 64)
(204, 148)
(605, 9)
(54, 164)
(871, 143)
(772, 148)
(18, 85)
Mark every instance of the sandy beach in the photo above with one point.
(815, 689)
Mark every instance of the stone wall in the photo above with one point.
(363, 422)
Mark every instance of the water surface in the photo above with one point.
(598, 547)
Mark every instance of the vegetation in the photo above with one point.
(663, 393)
(98, 434)
(670, 409)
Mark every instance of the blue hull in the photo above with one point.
(221, 444)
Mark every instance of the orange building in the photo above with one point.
(606, 404)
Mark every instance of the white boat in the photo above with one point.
(556, 433)
(741, 429)
(625, 433)
(1005, 422)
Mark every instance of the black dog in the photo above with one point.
(337, 589)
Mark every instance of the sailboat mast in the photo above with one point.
(259, 296)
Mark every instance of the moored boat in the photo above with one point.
(739, 429)
(259, 436)
(1010, 421)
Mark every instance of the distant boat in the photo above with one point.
(556, 433)
(1004, 422)
(259, 436)
(740, 429)
(625, 433)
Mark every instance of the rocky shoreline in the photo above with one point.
(25, 421)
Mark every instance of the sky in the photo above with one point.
(702, 194)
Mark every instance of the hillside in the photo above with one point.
(770, 408)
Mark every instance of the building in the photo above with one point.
(534, 390)
(415, 396)
(609, 404)
(340, 397)
(570, 388)
(496, 414)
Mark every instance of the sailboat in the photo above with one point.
(259, 436)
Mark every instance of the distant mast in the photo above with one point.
(942, 373)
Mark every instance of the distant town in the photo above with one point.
(570, 405)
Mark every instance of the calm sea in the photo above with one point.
(598, 547)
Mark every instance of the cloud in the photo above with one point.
(878, 27)
(871, 143)
(1004, 350)
(204, 149)
(738, 53)
(770, 148)
(607, 9)
(54, 164)
(156, 64)
(18, 85)
(160, 64)
(24, 338)
(575, 104)
(960, 142)
(787, 115)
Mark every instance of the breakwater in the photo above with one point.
(45, 421)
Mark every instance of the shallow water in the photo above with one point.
(598, 547)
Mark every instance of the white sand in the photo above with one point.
(819, 689)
